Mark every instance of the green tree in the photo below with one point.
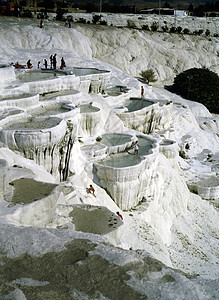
(200, 85)
(147, 76)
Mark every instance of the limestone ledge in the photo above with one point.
(169, 148)
(19, 100)
(6, 73)
(127, 185)
(90, 119)
(30, 137)
(148, 119)
(207, 188)
(55, 84)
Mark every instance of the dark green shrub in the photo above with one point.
(27, 14)
(173, 29)
(164, 28)
(131, 24)
(147, 76)
(207, 32)
(200, 85)
(200, 31)
(145, 27)
(103, 22)
(186, 31)
(154, 26)
(96, 19)
(178, 29)
(59, 13)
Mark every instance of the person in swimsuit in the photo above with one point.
(136, 147)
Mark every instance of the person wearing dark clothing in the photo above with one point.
(29, 64)
(54, 60)
(62, 64)
(45, 63)
(51, 61)
(118, 213)
(142, 92)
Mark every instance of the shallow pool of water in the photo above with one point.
(33, 124)
(128, 158)
(88, 108)
(85, 71)
(134, 104)
(35, 75)
(113, 139)
(121, 160)
(50, 110)
(9, 112)
(53, 95)
(145, 145)
(28, 190)
(14, 97)
(166, 142)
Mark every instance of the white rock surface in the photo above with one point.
(162, 219)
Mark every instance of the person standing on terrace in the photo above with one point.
(136, 147)
(142, 91)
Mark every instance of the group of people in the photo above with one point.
(53, 63)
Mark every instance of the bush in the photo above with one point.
(164, 28)
(145, 27)
(186, 31)
(147, 76)
(173, 29)
(179, 29)
(207, 32)
(27, 14)
(154, 26)
(131, 24)
(200, 85)
(59, 13)
(96, 19)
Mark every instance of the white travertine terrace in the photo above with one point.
(7, 73)
(149, 118)
(90, 119)
(122, 180)
(19, 100)
(32, 203)
(37, 139)
(57, 80)
(4, 180)
(169, 148)
(207, 188)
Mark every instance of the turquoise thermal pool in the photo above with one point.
(36, 75)
(134, 104)
(15, 96)
(127, 159)
(53, 109)
(88, 108)
(85, 71)
(32, 123)
(113, 139)
(52, 95)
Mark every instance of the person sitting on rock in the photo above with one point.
(121, 217)
(91, 190)
(19, 66)
(29, 64)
